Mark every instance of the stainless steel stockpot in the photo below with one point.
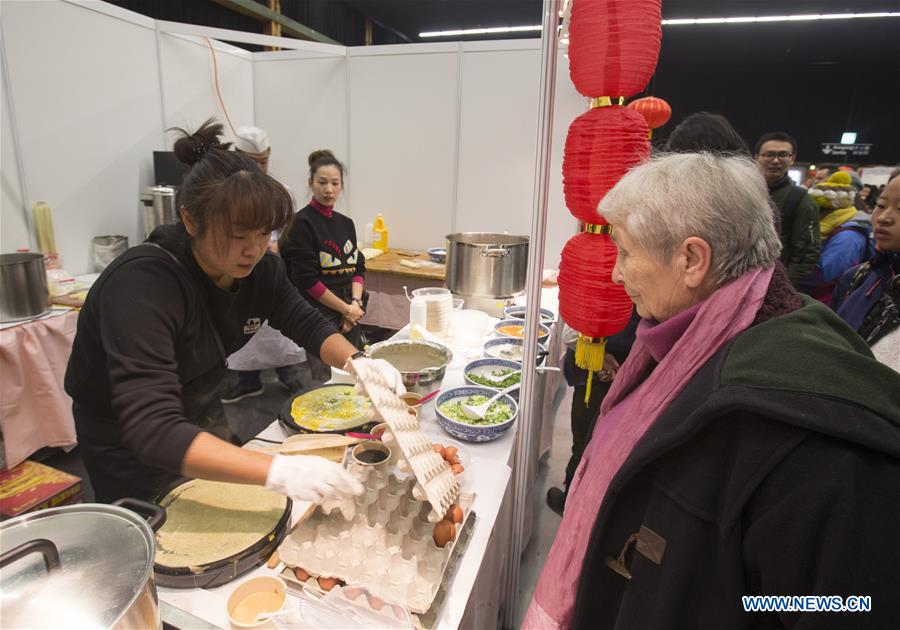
(23, 286)
(87, 565)
(483, 264)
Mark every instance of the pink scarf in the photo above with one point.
(633, 404)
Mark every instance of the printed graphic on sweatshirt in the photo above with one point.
(252, 325)
(341, 261)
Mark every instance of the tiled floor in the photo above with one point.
(249, 416)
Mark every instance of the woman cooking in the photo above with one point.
(157, 325)
(750, 443)
(321, 255)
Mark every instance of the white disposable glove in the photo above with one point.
(310, 478)
(385, 369)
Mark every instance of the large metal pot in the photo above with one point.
(23, 286)
(482, 264)
(86, 565)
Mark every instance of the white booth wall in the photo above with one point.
(92, 95)
(437, 137)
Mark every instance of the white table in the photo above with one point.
(474, 589)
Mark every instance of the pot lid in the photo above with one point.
(105, 558)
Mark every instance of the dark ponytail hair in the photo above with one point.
(703, 131)
(227, 189)
(323, 157)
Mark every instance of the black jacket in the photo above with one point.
(801, 241)
(150, 349)
(776, 471)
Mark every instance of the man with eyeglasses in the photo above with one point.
(801, 241)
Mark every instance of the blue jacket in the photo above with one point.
(861, 289)
(844, 248)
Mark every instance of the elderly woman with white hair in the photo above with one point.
(750, 444)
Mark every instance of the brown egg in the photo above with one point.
(453, 460)
(457, 469)
(376, 603)
(273, 560)
(450, 454)
(353, 593)
(443, 533)
(328, 583)
(454, 514)
(437, 448)
(300, 574)
(443, 453)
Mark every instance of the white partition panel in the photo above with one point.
(301, 102)
(14, 225)
(403, 118)
(85, 90)
(189, 83)
(497, 140)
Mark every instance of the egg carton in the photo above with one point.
(436, 483)
(381, 540)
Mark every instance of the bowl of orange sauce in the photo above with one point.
(515, 328)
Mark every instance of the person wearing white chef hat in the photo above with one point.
(268, 348)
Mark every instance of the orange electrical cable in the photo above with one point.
(218, 90)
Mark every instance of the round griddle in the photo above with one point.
(221, 571)
(363, 425)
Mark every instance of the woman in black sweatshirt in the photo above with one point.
(321, 255)
(157, 325)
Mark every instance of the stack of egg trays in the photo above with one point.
(381, 539)
(436, 482)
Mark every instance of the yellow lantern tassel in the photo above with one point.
(589, 352)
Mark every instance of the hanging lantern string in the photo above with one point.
(606, 101)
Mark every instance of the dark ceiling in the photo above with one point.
(811, 79)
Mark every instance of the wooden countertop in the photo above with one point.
(389, 262)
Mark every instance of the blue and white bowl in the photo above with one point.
(518, 312)
(493, 349)
(438, 254)
(543, 332)
(472, 432)
(486, 365)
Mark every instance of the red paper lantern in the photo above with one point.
(601, 146)
(589, 301)
(655, 111)
(613, 45)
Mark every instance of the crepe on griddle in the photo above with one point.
(208, 521)
(330, 408)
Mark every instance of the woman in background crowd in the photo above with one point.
(845, 235)
(322, 257)
(729, 458)
(868, 296)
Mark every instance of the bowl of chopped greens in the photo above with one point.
(499, 417)
(494, 373)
